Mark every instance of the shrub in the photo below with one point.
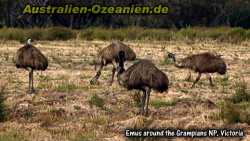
(66, 86)
(224, 83)
(87, 34)
(226, 34)
(241, 93)
(12, 34)
(59, 33)
(187, 33)
(237, 35)
(12, 135)
(36, 33)
(166, 60)
(236, 108)
(229, 112)
(97, 101)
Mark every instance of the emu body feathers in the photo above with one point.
(144, 76)
(30, 58)
(201, 63)
(109, 55)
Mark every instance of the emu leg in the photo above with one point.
(147, 102)
(96, 77)
(113, 74)
(197, 79)
(29, 91)
(210, 80)
(143, 102)
(188, 78)
(32, 86)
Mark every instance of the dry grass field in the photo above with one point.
(67, 108)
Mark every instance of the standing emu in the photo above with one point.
(109, 55)
(202, 63)
(30, 58)
(143, 76)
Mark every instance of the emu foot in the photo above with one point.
(188, 79)
(143, 113)
(193, 86)
(32, 91)
(146, 113)
(140, 112)
(212, 85)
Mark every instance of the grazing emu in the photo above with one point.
(201, 63)
(143, 76)
(109, 55)
(30, 58)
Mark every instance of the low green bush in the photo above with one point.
(59, 33)
(224, 34)
(236, 109)
(157, 103)
(97, 101)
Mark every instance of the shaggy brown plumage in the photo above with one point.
(202, 63)
(30, 58)
(109, 55)
(144, 76)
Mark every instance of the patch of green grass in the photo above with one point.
(28, 114)
(12, 34)
(137, 99)
(44, 77)
(225, 34)
(97, 101)
(247, 61)
(166, 61)
(184, 90)
(236, 35)
(99, 120)
(53, 33)
(241, 93)
(224, 82)
(236, 108)
(66, 86)
(59, 33)
(158, 103)
(12, 136)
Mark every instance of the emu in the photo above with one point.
(109, 55)
(143, 76)
(201, 63)
(30, 58)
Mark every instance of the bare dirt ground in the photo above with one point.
(60, 109)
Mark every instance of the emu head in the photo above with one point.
(171, 56)
(178, 63)
(29, 41)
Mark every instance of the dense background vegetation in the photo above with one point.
(183, 13)
(220, 34)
